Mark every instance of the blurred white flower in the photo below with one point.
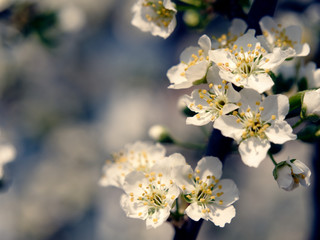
(311, 73)
(210, 198)
(71, 18)
(157, 17)
(193, 66)
(220, 99)
(257, 123)
(150, 196)
(276, 36)
(291, 173)
(139, 156)
(311, 103)
(247, 64)
(7, 153)
(160, 134)
(4, 4)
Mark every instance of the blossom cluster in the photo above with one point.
(232, 78)
(235, 72)
(153, 182)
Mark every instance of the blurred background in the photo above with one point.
(78, 82)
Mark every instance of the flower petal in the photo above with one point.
(280, 132)
(208, 166)
(220, 216)
(229, 127)
(253, 150)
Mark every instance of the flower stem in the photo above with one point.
(189, 145)
(272, 159)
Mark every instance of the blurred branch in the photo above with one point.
(259, 9)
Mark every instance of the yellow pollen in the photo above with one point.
(173, 197)
(210, 85)
(190, 175)
(198, 116)
(213, 197)
(249, 45)
(197, 171)
(234, 113)
(183, 187)
(171, 182)
(197, 178)
(204, 91)
(140, 213)
(202, 200)
(160, 175)
(248, 109)
(258, 103)
(220, 202)
(238, 120)
(261, 108)
(219, 86)
(155, 220)
(131, 194)
(224, 81)
(273, 117)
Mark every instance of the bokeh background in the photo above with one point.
(86, 83)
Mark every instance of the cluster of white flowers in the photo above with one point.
(152, 182)
(237, 72)
(253, 117)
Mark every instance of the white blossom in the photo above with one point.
(139, 156)
(247, 64)
(210, 198)
(311, 73)
(291, 174)
(257, 123)
(157, 17)
(149, 196)
(277, 36)
(311, 103)
(193, 66)
(209, 104)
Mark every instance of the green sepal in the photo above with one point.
(165, 138)
(278, 166)
(187, 112)
(200, 81)
(295, 101)
(310, 133)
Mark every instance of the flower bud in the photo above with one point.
(291, 173)
(160, 134)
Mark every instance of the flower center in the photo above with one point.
(195, 58)
(205, 192)
(160, 15)
(154, 194)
